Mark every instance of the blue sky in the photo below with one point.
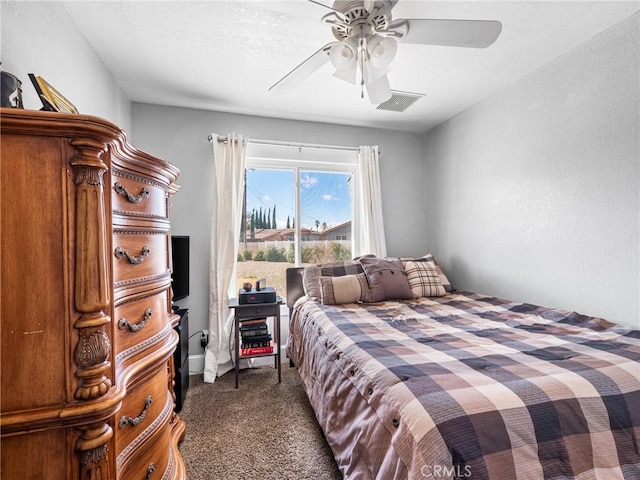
(324, 196)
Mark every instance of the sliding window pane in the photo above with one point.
(266, 247)
(268, 237)
(326, 208)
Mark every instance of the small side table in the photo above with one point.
(251, 312)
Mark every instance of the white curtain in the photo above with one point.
(226, 218)
(369, 232)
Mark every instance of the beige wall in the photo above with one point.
(533, 194)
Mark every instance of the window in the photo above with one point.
(299, 211)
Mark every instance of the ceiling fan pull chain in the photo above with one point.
(360, 55)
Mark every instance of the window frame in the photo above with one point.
(297, 159)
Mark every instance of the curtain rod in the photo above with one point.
(257, 141)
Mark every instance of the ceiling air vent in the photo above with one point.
(400, 101)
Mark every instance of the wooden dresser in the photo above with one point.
(85, 295)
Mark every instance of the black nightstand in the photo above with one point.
(252, 312)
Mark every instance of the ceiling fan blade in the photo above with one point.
(451, 33)
(379, 90)
(323, 4)
(384, 7)
(302, 71)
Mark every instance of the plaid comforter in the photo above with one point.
(471, 386)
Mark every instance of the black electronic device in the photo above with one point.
(264, 295)
(180, 263)
(181, 359)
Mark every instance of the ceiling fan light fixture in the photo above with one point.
(343, 56)
(381, 50)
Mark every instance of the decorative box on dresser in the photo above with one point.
(87, 326)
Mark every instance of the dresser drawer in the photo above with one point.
(135, 194)
(139, 256)
(139, 320)
(154, 461)
(141, 409)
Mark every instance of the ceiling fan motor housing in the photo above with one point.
(356, 21)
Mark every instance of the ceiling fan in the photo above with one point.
(366, 43)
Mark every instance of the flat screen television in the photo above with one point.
(180, 260)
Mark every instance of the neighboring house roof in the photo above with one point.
(272, 234)
(269, 234)
(337, 227)
(303, 231)
(275, 234)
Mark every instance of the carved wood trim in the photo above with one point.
(134, 281)
(139, 231)
(127, 213)
(92, 283)
(138, 178)
(93, 448)
(157, 291)
(171, 382)
(140, 346)
(170, 466)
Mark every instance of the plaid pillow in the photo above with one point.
(444, 281)
(424, 280)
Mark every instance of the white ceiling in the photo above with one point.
(224, 55)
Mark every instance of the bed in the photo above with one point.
(460, 384)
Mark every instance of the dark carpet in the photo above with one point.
(263, 430)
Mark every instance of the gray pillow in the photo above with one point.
(387, 279)
(311, 282)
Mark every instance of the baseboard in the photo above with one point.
(196, 364)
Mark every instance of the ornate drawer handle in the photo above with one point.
(134, 327)
(120, 253)
(150, 469)
(135, 421)
(119, 188)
